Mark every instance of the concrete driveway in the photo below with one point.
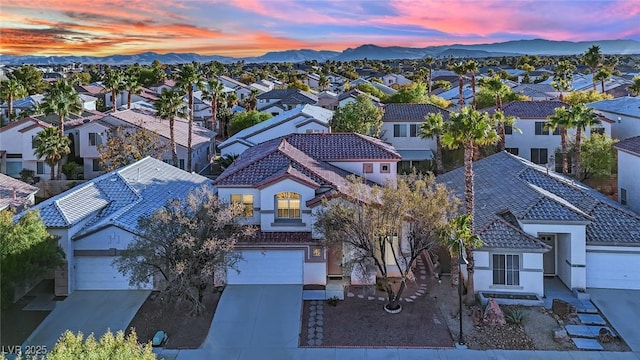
(256, 321)
(622, 310)
(89, 312)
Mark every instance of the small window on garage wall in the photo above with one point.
(385, 168)
(623, 196)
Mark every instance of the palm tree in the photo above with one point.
(458, 230)
(561, 119)
(131, 82)
(583, 118)
(169, 106)
(501, 122)
(230, 100)
(432, 128)
(498, 89)
(52, 145)
(62, 100)
(563, 76)
(252, 100)
(213, 92)
(12, 89)
(635, 87)
(469, 128)
(323, 83)
(189, 77)
(602, 75)
(460, 69)
(429, 61)
(592, 58)
(113, 81)
(472, 67)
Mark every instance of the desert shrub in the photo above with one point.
(515, 316)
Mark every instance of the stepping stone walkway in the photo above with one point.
(587, 344)
(315, 332)
(591, 319)
(421, 281)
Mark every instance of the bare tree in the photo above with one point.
(186, 243)
(126, 145)
(386, 228)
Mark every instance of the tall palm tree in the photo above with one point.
(9, 91)
(583, 118)
(459, 69)
(131, 82)
(113, 81)
(252, 100)
(230, 100)
(592, 58)
(561, 119)
(52, 145)
(472, 68)
(469, 128)
(432, 128)
(457, 230)
(498, 89)
(563, 76)
(213, 92)
(323, 83)
(62, 100)
(169, 106)
(189, 77)
(635, 87)
(602, 75)
(429, 61)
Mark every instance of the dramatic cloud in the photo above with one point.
(253, 27)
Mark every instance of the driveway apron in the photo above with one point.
(89, 312)
(622, 310)
(251, 317)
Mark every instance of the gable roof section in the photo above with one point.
(411, 112)
(307, 112)
(630, 145)
(343, 147)
(14, 192)
(499, 234)
(507, 183)
(289, 95)
(25, 125)
(627, 105)
(118, 198)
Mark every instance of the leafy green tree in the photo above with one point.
(598, 156)
(108, 347)
(80, 78)
(170, 106)
(584, 97)
(62, 100)
(360, 116)
(432, 128)
(442, 84)
(468, 129)
(11, 90)
(189, 77)
(31, 79)
(414, 93)
(297, 84)
(126, 145)
(27, 251)
(113, 81)
(635, 87)
(371, 90)
(583, 118)
(53, 146)
(245, 119)
(197, 235)
(387, 227)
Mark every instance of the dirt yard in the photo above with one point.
(185, 331)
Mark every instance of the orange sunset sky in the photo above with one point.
(242, 28)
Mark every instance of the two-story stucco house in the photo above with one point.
(401, 127)
(277, 101)
(624, 113)
(16, 148)
(280, 182)
(303, 119)
(535, 223)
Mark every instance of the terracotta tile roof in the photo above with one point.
(10, 187)
(24, 123)
(630, 145)
(411, 112)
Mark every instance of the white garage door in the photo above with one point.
(97, 273)
(613, 270)
(269, 267)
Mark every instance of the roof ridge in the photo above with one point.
(378, 143)
(244, 166)
(520, 231)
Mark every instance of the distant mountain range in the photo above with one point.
(371, 52)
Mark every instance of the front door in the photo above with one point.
(549, 258)
(334, 260)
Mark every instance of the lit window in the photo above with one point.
(367, 168)
(246, 200)
(288, 205)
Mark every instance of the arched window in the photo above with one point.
(288, 205)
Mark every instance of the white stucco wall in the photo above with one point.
(108, 238)
(315, 273)
(628, 179)
(268, 206)
(623, 126)
(225, 194)
(356, 167)
(406, 142)
(531, 276)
